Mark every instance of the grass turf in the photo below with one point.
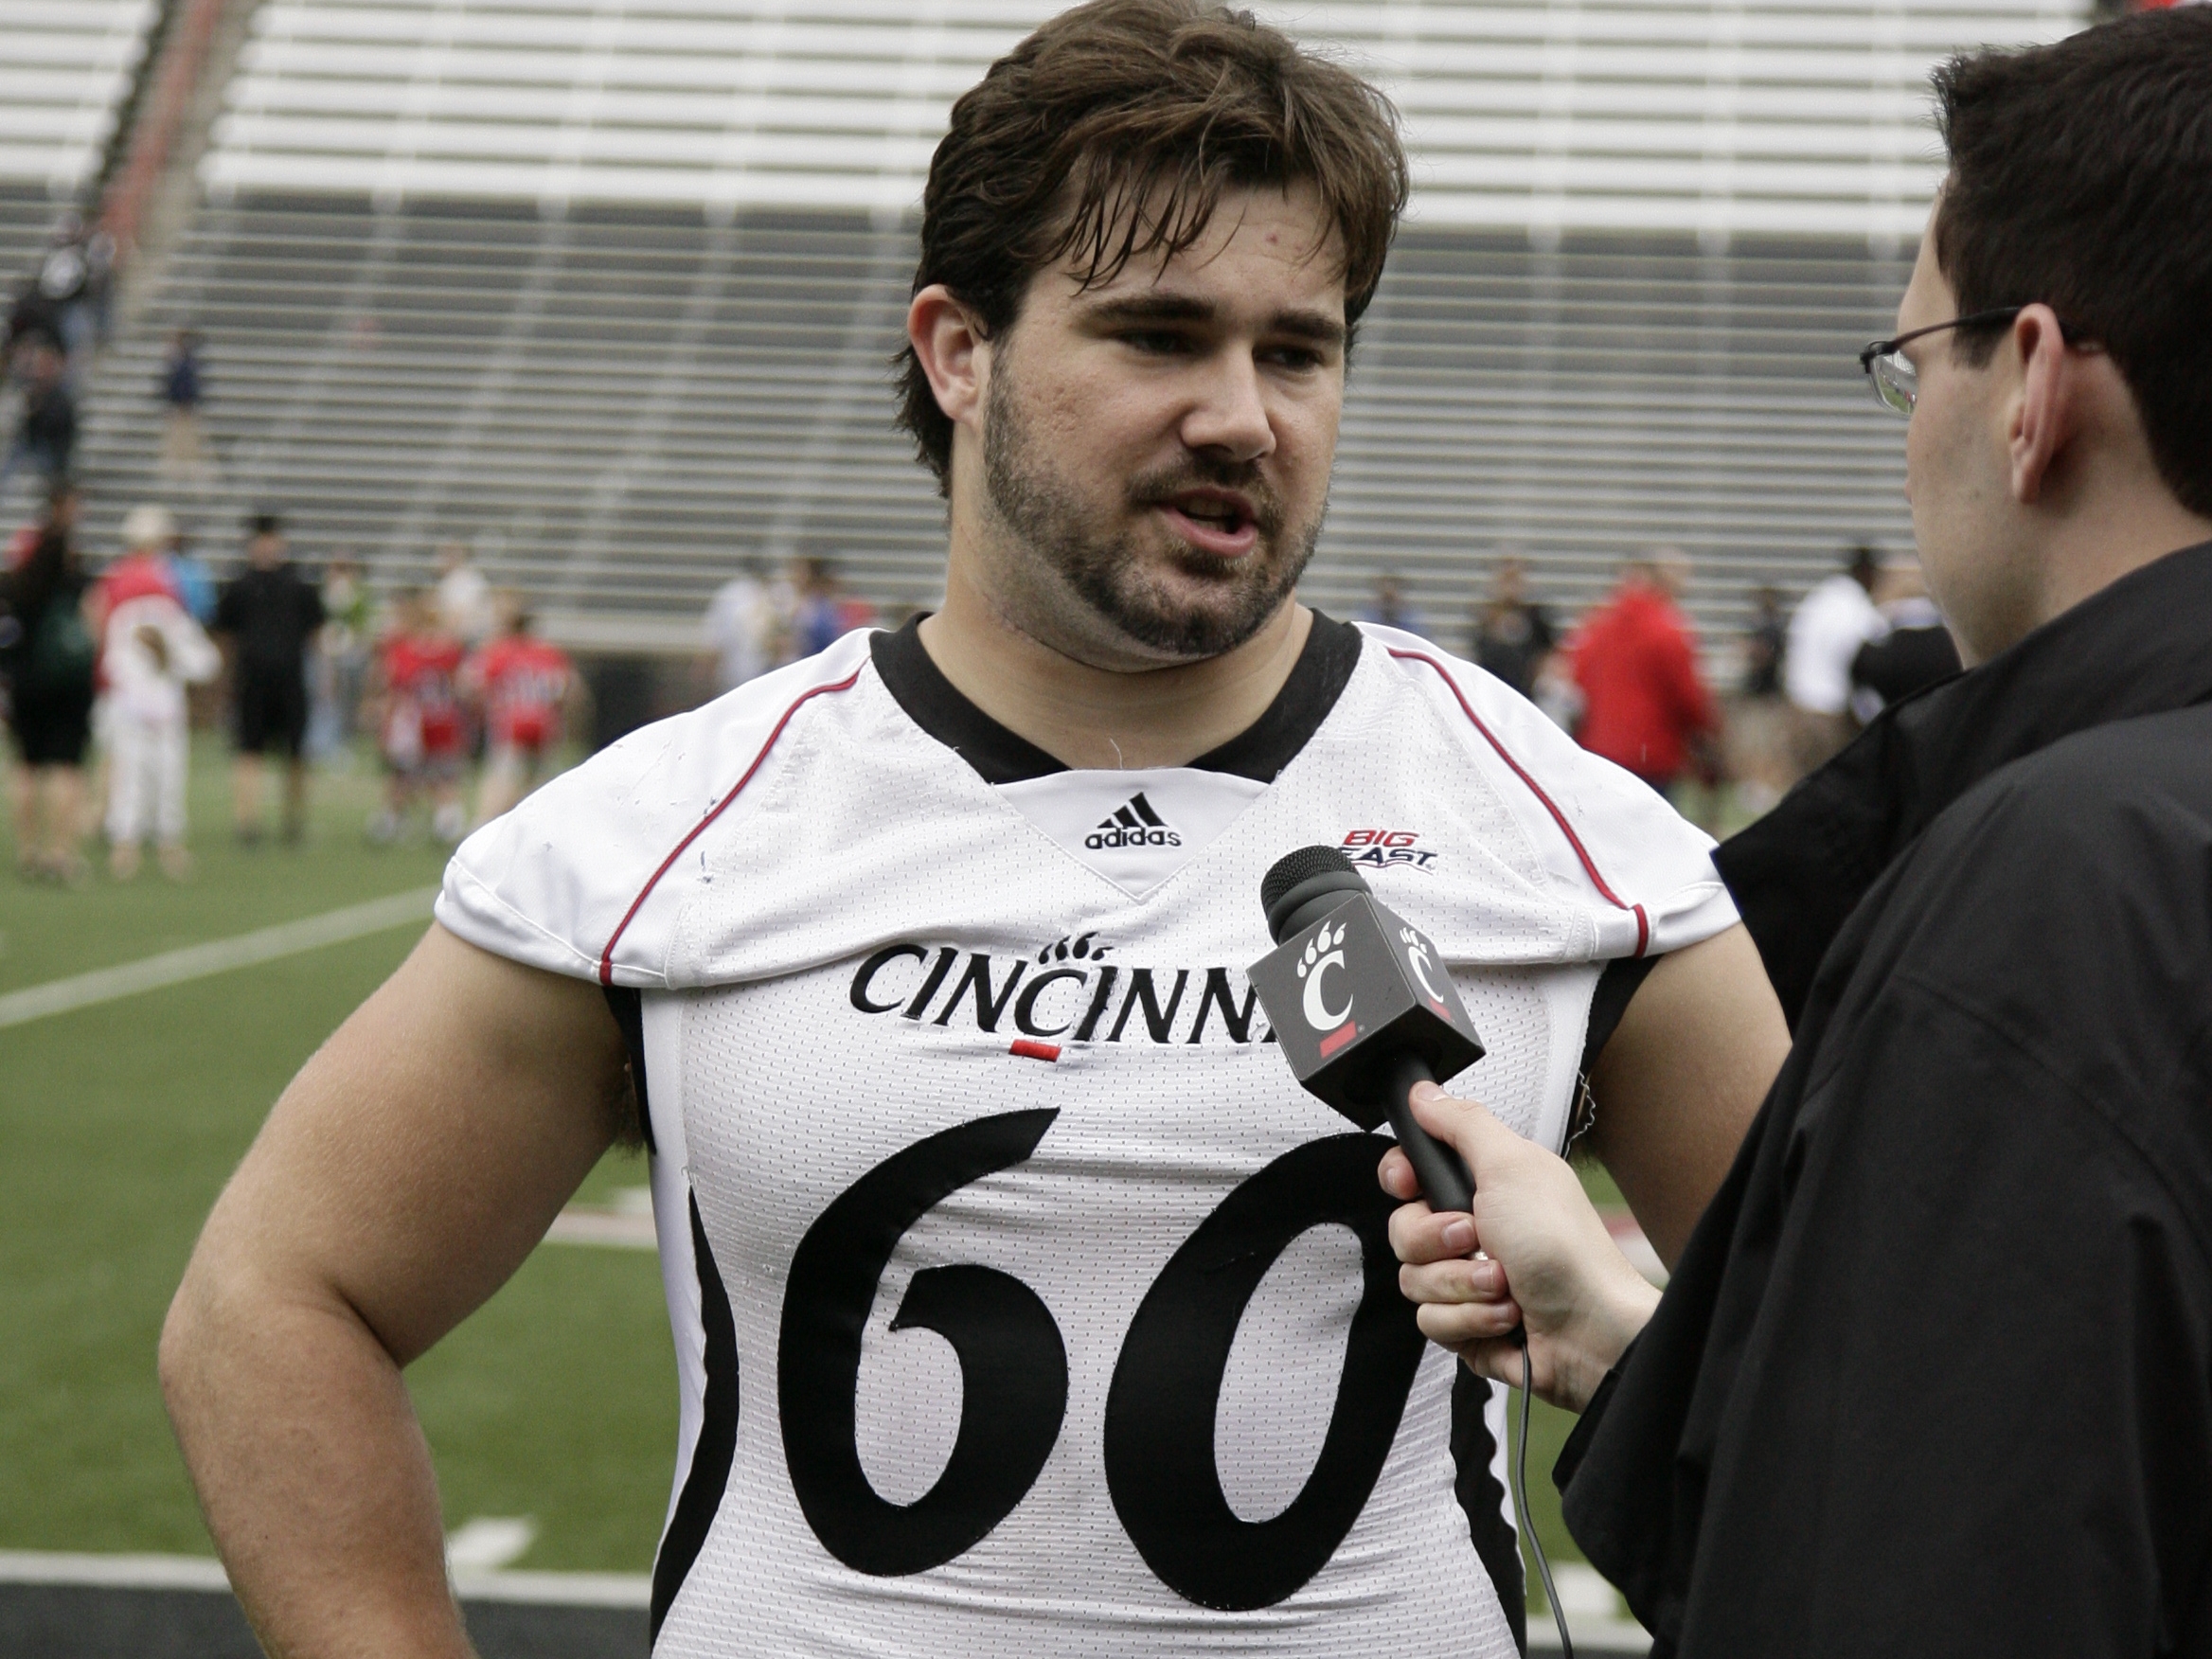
(557, 1400)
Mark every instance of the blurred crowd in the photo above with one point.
(104, 664)
(1631, 682)
(1724, 735)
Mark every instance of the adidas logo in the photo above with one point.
(1132, 824)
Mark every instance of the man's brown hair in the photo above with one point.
(1111, 135)
(2081, 177)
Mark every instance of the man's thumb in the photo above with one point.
(1467, 1125)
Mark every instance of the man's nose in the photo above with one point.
(1229, 415)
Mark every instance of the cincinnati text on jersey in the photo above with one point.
(1078, 999)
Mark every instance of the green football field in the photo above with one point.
(120, 1122)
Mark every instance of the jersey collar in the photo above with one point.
(1259, 752)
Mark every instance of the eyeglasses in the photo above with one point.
(1896, 383)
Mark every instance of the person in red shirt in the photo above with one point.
(1636, 659)
(420, 728)
(524, 685)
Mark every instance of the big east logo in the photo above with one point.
(1385, 848)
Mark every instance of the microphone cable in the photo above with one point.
(1551, 1595)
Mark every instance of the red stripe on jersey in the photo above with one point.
(1029, 1050)
(607, 957)
(1575, 841)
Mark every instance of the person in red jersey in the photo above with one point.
(1643, 702)
(419, 725)
(524, 685)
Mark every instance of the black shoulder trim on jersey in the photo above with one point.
(716, 1447)
(1616, 987)
(630, 1014)
(1476, 1487)
(1262, 749)
(1258, 752)
(933, 704)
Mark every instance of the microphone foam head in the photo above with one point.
(1300, 877)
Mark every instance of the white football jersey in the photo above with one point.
(1024, 1302)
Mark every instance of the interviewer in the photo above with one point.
(1934, 1373)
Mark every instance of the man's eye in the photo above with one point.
(1301, 358)
(1155, 341)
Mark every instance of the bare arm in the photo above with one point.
(410, 1168)
(1681, 1079)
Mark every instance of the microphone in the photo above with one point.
(1363, 1008)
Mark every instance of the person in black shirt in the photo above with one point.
(45, 437)
(270, 612)
(1512, 633)
(1930, 1376)
(47, 655)
(1915, 653)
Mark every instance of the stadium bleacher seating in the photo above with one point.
(610, 290)
(63, 75)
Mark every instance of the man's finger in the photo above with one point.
(1454, 1325)
(1479, 1280)
(1396, 1173)
(1467, 1125)
(1498, 1360)
(1419, 1233)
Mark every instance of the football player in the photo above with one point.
(1023, 1300)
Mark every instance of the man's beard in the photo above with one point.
(1108, 573)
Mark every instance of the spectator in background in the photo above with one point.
(66, 280)
(826, 613)
(195, 584)
(186, 459)
(271, 614)
(420, 728)
(1512, 635)
(740, 629)
(1832, 623)
(463, 597)
(524, 686)
(143, 567)
(45, 438)
(1914, 651)
(1636, 659)
(33, 319)
(140, 571)
(1391, 607)
(1766, 643)
(151, 650)
(341, 660)
(1759, 736)
(51, 659)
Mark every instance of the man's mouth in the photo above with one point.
(1219, 522)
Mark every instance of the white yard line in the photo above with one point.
(162, 1572)
(267, 944)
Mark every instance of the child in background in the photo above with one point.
(523, 685)
(151, 650)
(419, 722)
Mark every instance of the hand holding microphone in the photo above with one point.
(1368, 1019)
(1552, 1277)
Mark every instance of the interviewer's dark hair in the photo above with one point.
(2081, 177)
(1111, 133)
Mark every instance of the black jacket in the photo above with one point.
(1934, 1373)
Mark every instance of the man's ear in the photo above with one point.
(2043, 411)
(951, 349)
